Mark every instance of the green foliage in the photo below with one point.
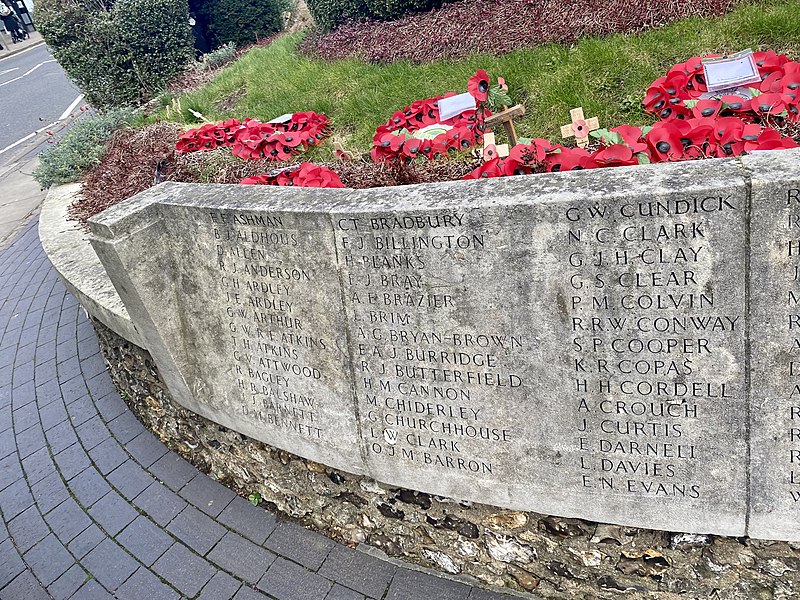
(218, 57)
(119, 52)
(82, 146)
(329, 14)
(607, 76)
(255, 498)
(242, 21)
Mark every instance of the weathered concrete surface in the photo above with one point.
(571, 344)
(775, 345)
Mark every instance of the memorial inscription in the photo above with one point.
(575, 344)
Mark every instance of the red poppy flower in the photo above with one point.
(707, 109)
(664, 141)
(528, 154)
(616, 155)
(257, 180)
(569, 159)
(769, 61)
(478, 85)
(772, 82)
(511, 167)
(311, 175)
(736, 104)
(768, 104)
(491, 168)
(632, 136)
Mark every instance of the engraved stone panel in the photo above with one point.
(775, 344)
(252, 317)
(572, 344)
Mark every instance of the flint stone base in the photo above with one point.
(552, 557)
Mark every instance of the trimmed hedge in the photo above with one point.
(329, 14)
(118, 52)
(242, 21)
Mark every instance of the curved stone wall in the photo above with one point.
(612, 345)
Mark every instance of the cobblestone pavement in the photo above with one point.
(94, 506)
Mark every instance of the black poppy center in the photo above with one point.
(663, 147)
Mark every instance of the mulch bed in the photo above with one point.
(139, 159)
(499, 26)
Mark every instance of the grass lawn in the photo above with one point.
(607, 76)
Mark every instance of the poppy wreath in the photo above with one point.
(395, 141)
(303, 175)
(677, 95)
(253, 140)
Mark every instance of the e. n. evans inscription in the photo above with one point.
(572, 344)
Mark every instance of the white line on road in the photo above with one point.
(9, 70)
(28, 49)
(71, 107)
(27, 137)
(28, 72)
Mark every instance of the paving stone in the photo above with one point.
(184, 569)
(110, 406)
(339, 592)
(413, 585)
(8, 444)
(28, 528)
(108, 456)
(47, 392)
(289, 581)
(81, 409)
(10, 471)
(92, 432)
(208, 495)
(101, 385)
(109, 564)
(145, 540)
(45, 370)
(38, 465)
(125, 427)
(300, 545)
(53, 414)
(358, 571)
(49, 492)
(479, 594)
(14, 499)
(241, 557)
(69, 583)
(27, 415)
(246, 593)
(48, 559)
(89, 486)
(160, 503)
(251, 521)
(143, 585)
(67, 520)
(71, 460)
(146, 448)
(11, 563)
(30, 440)
(130, 479)
(67, 368)
(221, 587)
(113, 513)
(196, 530)
(85, 541)
(88, 347)
(93, 366)
(92, 590)
(173, 471)
(24, 587)
(73, 389)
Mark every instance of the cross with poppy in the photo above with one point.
(491, 149)
(580, 127)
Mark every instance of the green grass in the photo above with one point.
(607, 76)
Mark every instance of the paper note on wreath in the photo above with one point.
(731, 71)
(282, 119)
(455, 105)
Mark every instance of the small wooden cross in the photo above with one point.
(505, 117)
(580, 127)
(341, 153)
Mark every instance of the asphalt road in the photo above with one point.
(35, 94)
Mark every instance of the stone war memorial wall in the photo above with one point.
(619, 345)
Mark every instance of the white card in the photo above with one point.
(282, 119)
(455, 105)
(733, 71)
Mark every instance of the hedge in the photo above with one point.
(329, 14)
(241, 21)
(118, 52)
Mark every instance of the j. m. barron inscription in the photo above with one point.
(573, 344)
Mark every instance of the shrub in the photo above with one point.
(217, 58)
(119, 52)
(329, 14)
(242, 21)
(82, 146)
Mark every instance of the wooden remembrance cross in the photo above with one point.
(580, 127)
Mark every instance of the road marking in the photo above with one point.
(28, 72)
(27, 137)
(9, 70)
(71, 107)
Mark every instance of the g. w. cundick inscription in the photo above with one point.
(620, 345)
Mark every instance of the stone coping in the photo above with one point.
(68, 248)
